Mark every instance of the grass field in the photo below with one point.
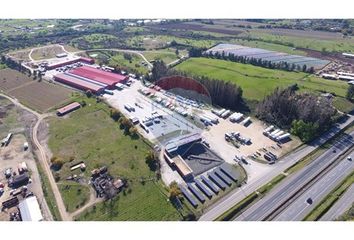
(74, 195)
(258, 82)
(90, 135)
(167, 55)
(135, 64)
(143, 203)
(331, 45)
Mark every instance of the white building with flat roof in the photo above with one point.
(29, 209)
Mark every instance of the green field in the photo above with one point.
(330, 45)
(167, 55)
(134, 65)
(74, 195)
(257, 82)
(90, 135)
(143, 203)
(156, 41)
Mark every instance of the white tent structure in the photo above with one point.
(29, 209)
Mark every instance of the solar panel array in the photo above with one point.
(220, 178)
(273, 56)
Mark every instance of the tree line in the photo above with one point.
(222, 93)
(306, 115)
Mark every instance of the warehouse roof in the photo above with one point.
(99, 75)
(78, 82)
(29, 209)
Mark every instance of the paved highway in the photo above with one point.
(341, 206)
(238, 194)
(292, 184)
(299, 209)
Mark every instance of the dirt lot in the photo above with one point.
(46, 52)
(10, 79)
(20, 123)
(41, 96)
(21, 55)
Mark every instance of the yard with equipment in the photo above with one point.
(90, 135)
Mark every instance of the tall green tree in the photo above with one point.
(350, 92)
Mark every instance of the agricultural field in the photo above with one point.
(46, 52)
(40, 96)
(71, 137)
(50, 96)
(318, 43)
(10, 79)
(74, 195)
(258, 82)
(268, 46)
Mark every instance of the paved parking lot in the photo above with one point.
(171, 124)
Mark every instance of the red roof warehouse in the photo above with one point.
(78, 82)
(111, 79)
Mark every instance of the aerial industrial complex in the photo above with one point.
(119, 122)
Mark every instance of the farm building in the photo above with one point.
(68, 62)
(100, 76)
(68, 108)
(348, 55)
(29, 209)
(61, 55)
(79, 83)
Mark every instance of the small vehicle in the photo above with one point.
(334, 151)
(349, 158)
(309, 201)
(8, 172)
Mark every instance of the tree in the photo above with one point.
(197, 52)
(159, 70)
(88, 93)
(177, 51)
(151, 160)
(57, 163)
(350, 92)
(128, 57)
(133, 131)
(174, 190)
(305, 131)
(115, 114)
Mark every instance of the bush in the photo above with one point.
(57, 163)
